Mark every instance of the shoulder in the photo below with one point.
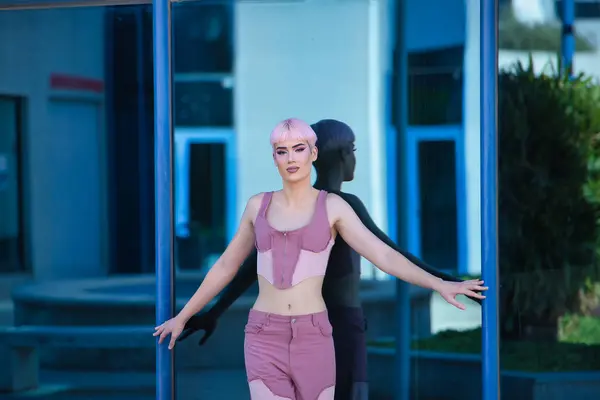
(253, 205)
(336, 205)
(341, 198)
(334, 198)
(351, 199)
(256, 199)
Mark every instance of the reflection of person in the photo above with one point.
(289, 348)
(341, 288)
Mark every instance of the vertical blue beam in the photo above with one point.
(568, 36)
(163, 175)
(489, 196)
(402, 362)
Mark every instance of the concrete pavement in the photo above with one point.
(191, 385)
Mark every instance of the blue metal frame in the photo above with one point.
(568, 36)
(184, 137)
(163, 150)
(489, 197)
(414, 136)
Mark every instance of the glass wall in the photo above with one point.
(76, 195)
(249, 66)
(203, 106)
(548, 203)
(77, 181)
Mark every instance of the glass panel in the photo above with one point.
(129, 98)
(281, 72)
(435, 87)
(437, 191)
(204, 103)
(207, 211)
(548, 209)
(203, 64)
(76, 120)
(202, 37)
(203, 110)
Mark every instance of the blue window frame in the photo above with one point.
(184, 138)
(419, 143)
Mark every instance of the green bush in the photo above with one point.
(547, 227)
(514, 35)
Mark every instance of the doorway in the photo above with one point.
(12, 249)
(205, 196)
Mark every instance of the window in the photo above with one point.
(584, 9)
(203, 103)
(438, 206)
(207, 210)
(11, 215)
(202, 38)
(435, 87)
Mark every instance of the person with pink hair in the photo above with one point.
(289, 349)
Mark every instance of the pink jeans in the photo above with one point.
(289, 357)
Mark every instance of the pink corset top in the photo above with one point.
(287, 258)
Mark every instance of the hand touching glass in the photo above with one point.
(449, 291)
(172, 327)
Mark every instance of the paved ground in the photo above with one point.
(196, 385)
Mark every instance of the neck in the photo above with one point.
(330, 179)
(297, 192)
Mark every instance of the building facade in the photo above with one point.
(76, 113)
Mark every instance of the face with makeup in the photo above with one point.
(294, 159)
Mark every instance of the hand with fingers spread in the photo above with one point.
(206, 322)
(449, 291)
(172, 327)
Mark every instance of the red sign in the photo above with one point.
(70, 82)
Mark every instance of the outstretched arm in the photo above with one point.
(242, 282)
(362, 213)
(219, 276)
(227, 266)
(384, 257)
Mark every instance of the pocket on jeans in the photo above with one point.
(254, 327)
(325, 328)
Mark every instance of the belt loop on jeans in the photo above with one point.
(267, 319)
(315, 320)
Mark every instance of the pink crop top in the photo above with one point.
(287, 258)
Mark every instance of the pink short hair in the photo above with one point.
(293, 129)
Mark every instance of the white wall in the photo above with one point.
(34, 45)
(312, 59)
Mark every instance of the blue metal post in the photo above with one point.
(163, 172)
(568, 36)
(402, 365)
(489, 196)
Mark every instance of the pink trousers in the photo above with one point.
(289, 357)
